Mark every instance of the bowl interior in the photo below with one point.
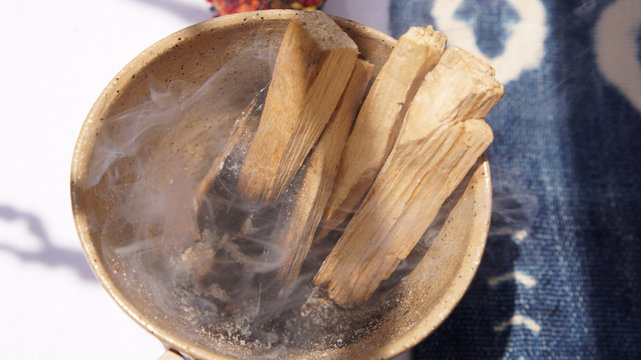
(109, 169)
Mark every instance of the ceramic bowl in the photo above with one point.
(427, 294)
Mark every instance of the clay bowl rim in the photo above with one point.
(464, 275)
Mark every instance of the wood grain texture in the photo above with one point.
(379, 120)
(441, 139)
(314, 63)
(318, 173)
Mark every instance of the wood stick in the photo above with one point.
(210, 200)
(379, 120)
(314, 63)
(217, 189)
(436, 148)
(318, 178)
(238, 140)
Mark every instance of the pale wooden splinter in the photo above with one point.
(379, 120)
(201, 254)
(314, 63)
(297, 233)
(441, 139)
(237, 145)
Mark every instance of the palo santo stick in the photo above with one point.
(308, 194)
(234, 152)
(318, 178)
(435, 150)
(209, 199)
(239, 140)
(379, 119)
(314, 63)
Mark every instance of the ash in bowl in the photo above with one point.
(216, 274)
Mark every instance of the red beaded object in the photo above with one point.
(224, 7)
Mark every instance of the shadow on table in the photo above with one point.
(49, 254)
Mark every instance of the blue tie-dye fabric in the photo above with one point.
(561, 276)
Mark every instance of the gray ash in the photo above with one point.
(236, 303)
(308, 320)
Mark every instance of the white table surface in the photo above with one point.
(56, 58)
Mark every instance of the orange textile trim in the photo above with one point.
(224, 7)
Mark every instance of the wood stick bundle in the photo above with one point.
(305, 198)
(416, 136)
(265, 150)
(317, 87)
(440, 140)
(379, 120)
(297, 233)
